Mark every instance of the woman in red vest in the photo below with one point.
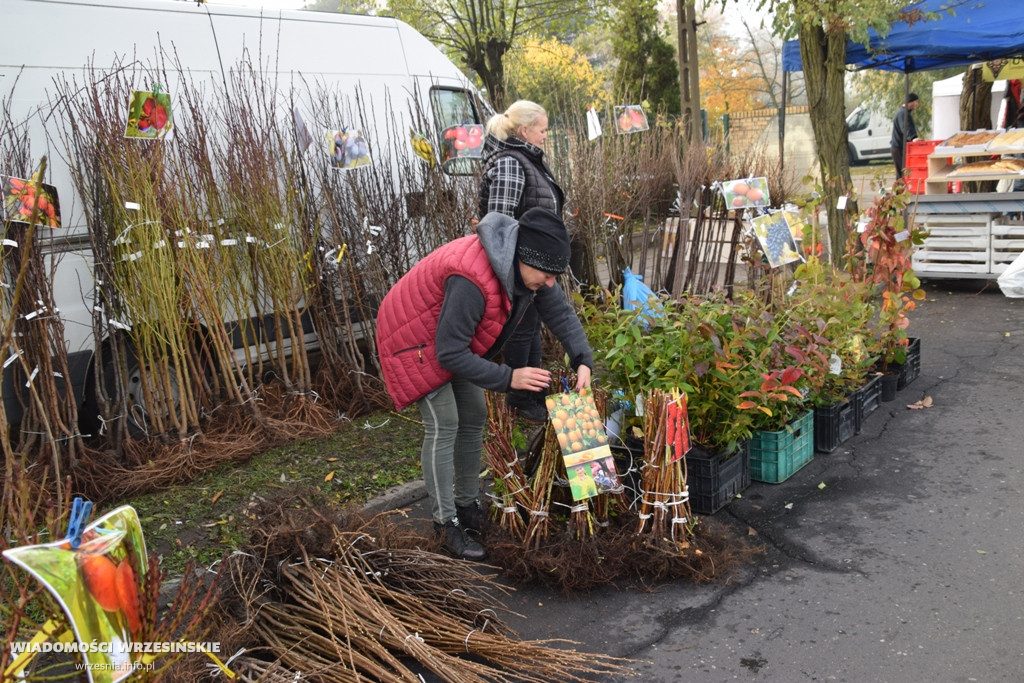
(438, 330)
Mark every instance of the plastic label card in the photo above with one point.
(21, 200)
(593, 124)
(465, 141)
(584, 443)
(746, 193)
(149, 115)
(97, 587)
(677, 429)
(776, 239)
(630, 118)
(347, 149)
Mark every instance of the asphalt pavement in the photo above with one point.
(897, 557)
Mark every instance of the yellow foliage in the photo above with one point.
(554, 75)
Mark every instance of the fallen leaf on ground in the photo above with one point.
(330, 475)
(925, 402)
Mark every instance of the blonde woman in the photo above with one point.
(516, 178)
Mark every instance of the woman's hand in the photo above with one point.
(582, 377)
(531, 379)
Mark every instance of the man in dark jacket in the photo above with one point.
(903, 131)
(438, 329)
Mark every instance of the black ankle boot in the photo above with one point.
(457, 542)
(528, 405)
(472, 516)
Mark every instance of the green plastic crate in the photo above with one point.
(777, 456)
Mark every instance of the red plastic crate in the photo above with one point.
(917, 154)
(915, 185)
(920, 149)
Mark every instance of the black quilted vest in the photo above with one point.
(540, 188)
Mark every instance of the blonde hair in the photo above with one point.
(519, 113)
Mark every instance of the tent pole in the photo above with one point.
(782, 122)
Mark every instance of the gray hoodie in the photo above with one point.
(463, 309)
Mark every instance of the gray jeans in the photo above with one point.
(453, 436)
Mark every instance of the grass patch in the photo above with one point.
(212, 515)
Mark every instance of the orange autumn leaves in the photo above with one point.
(576, 421)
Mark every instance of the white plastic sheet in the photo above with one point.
(1011, 281)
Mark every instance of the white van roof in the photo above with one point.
(310, 43)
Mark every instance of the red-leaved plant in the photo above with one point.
(881, 255)
(778, 401)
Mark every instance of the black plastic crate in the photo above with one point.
(869, 398)
(911, 368)
(714, 479)
(835, 424)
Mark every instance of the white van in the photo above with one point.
(382, 61)
(868, 133)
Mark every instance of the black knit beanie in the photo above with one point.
(543, 241)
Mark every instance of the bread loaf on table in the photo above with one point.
(989, 166)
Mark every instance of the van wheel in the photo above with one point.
(854, 159)
(139, 416)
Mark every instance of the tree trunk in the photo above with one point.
(975, 102)
(487, 60)
(689, 70)
(824, 62)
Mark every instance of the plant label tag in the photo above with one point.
(902, 236)
(581, 437)
(841, 203)
(862, 226)
(835, 364)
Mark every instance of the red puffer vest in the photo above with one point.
(407, 320)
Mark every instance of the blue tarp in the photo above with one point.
(979, 31)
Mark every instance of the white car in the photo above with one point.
(868, 133)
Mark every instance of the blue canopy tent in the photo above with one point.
(979, 31)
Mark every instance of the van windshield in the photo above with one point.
(858, 120)
(455, 112)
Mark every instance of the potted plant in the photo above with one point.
(692, 345)
(793, 363)
(837, 309)
(880, 254)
